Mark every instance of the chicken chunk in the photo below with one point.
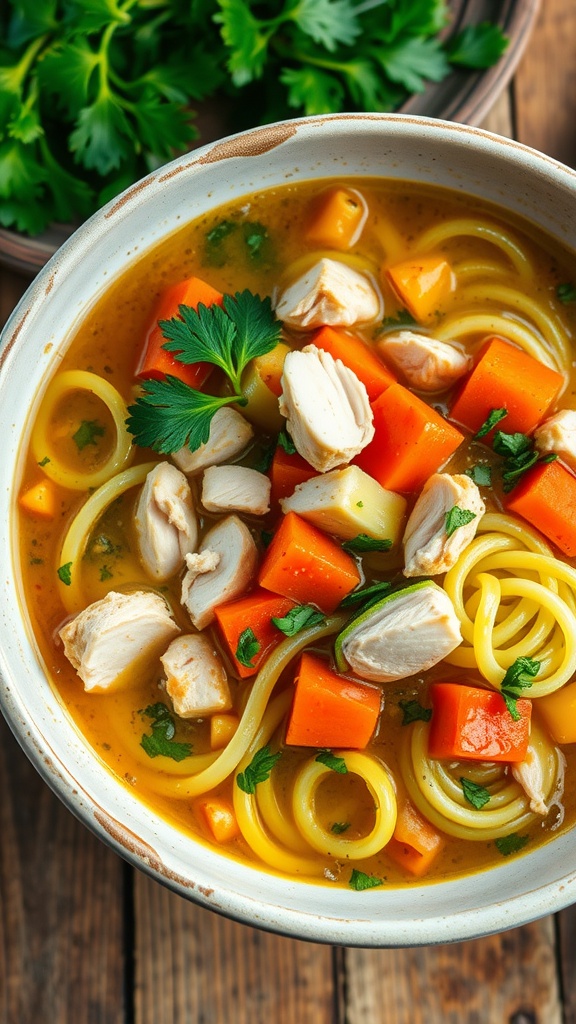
(433, 538)
(427, 364)
(116, 640)
(236, 489)
(333, 293)
(558, 434)
(232, 541)
(403, 634)
(229, 436)
(196, 564)
(528, 773)
(196, 679)
(327, 409)
(165, 521)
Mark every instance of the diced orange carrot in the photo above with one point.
(337, 219)
(286, 472)
(415, 843)
(558, 712)
(222, 729)
(219, 818)
(422, 284)
(357, 356)
(505, 377)
(473, 724)
(155, 362)
(302, 563)
(330, 710)
(546, 498)
(254, 611)
(39, 500)
(411, 441)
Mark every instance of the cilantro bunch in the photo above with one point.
(96, 93)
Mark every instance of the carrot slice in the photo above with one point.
(423, 285)
(329, 710)
(472, 724)
(286, 472)
(302, 563)
(253, 611)
(505, 377)
(415, 843)
(411, 441)
(338, 219)
(546, 498)
(219, 818)
(155, 362)
(39, 500)
(357, 356)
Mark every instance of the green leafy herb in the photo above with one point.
(403, 318)
(330, 760)
(518, 678)
(263, 463)
(363, 543)
(519, 456)
(413, 711)
(258, 770)
(475, 794)
(286, 442)
(105, 574)
(369, 594)
(298, 618)
(65, 574)
(481, 474)
(511, 844)
(45, 461)
(359, 880)
(339, 827)
(87, 433)
(215, 252)
(494, 417)
(457, 517)
(248, 647)
(267, 537)
(102, 545)
(359, 504)
(160, 742)
(566, 292)
(170, 414)
(477, 46)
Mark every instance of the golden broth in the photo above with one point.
(108, 343)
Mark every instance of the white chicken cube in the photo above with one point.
(427, 364)
(233, 573)
(196, 680)
(430, 545)
(236, 489)
(558, 434)
(165, 521)
(229, 435)
(333, 293)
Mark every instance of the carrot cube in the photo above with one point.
(546, 498)
(423, 285)
(415, 843)
(472, 724)
(505, 377)
(357, 356)
(286, 472)
(222, 729)
(338, 219)
(254, 611)
(330, 710)
(220, 818)
(39, 500)
(558, 711)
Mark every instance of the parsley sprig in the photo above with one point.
(170, 414)
(518, 677)
(258, 770)
(161, 742)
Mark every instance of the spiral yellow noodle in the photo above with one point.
(468, 226)
(278, 818)
(381, 790)
(81, 380)
(513, 599)
(435, 788)
(458, 326)
(76, 537)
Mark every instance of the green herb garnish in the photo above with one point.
(330, 760)
(65, 574)
(258, 770)
(298, 618)
(518, 678)
(371, 593)
(87, 433)
(481, 474)
(402, 319)
(170, 414)
(494, 417)
(413, 711)
(286, 442)
(566, 292)
(359, 880)
(457, 517)
(511, 844)
(339, 827)
(477, 46)
(362, 543)
(160, 742)
(45, 461)
(105, 574)
(248, 647)
(475, 794)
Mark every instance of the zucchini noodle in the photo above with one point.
(75, 480)
(435, 788)
(447, 230)
(514, 599)
(380, 788)
(76, 538)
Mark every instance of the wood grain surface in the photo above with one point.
(86, 940)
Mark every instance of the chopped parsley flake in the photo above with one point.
(286, 442)
(160, 742)
(362, 542)
(511, 844)
(566, 292)
(493, 418)
(518, 678)
(45, 461)
(330, 760)
(65, 574)
(248, 647)
(339, 827)
(298, 618)
(359, 880)
(475, 794)
(457, 517)
(481, 474)
(87, 433)
(105, 574)
(413, 711)
(258, 770)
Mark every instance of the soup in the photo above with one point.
(299, 561)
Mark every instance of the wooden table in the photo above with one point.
(84, 939)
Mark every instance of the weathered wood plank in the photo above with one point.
(500, 118)
(195, 966)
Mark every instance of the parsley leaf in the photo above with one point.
(373, 593)
(87, 433)
(481, 474)
(363, 543)
(286, 443)
(457, 517)
(327, 22)
(65, 574)
(105, 574)
(518, 678)
(330, 760)
(44, 461)
(359, 880)
(566, 292)
(170, 414)
(494, 417)
(160, 742)
(511, 844)
(298, 618)
(402, 319)
(413, 61)
(339, 827)
(413, 711)
(519, 456)
(258, 770)
(477, 46)
(248, 647)
(475, 794)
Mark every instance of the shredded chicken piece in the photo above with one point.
(197, 564)
(558, 434)
(427, 364)
(333, 293)
(529, 774)
(411, 631)
(196, 679)
(165, 521)
(234, 545)
(327, 409)
(236, 489)
(428, 550)
(229, 436)
(117, 636)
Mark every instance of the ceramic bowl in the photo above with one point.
(462, 158)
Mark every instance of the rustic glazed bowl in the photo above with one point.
(465, 159)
